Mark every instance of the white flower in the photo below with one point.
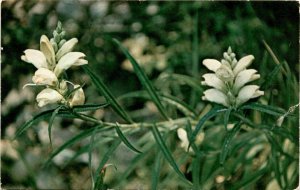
(214, 95)
(182, 135)
(78, 97)
(244, 77)
(229, 79)
(36, 57)
(212, 64)
(68, 60)
(213, 81)
(41, 59)
(66, 48)
(48, 96)
(248, 92)
(44, 77)
(243, 63)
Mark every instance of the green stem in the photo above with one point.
(173, 124)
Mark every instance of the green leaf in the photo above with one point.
(124, 139)
(91, 147)
(196, 172)
(34, 120)
(72, 141)
(206, 117)
(226, 117)
(89, 107)
(144, 80)
(156, 170)
(104, 160)
(264, 108)
(183, 79)
(226, 145)
(54, 113)
(250, 178)
(166, 152)
(180, 105)
(102, 88)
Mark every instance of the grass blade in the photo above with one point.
(102, 88)
(166, 152)
(144, 80)
(228, 139)
(125, 140)
(104, 160)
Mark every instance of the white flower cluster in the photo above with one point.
(229, 80)
(54, 57)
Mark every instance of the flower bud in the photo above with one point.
(45, 77)
(78, 98)
(48, 96)
(224, 73)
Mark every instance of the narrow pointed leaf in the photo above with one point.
(54, 113)
(227, 142)
(206, 117)
(41, 116)
(89, 107)
(166, 152)
(102, 88)
(226, 117)
(265, 109)
(144, 80)
(104, 160)
(125, 140)
(72, 141)
(156, 171)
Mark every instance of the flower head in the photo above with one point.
(229, 79)
(54, 57)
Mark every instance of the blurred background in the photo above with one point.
(160, 35)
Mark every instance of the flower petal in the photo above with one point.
(211, 64)
(47, 49)
(244, 77)
(80, 62)
(243, 63)
(248, 92)
(48, 96)
(67, 61)
(66, 48)
(213, 81)
(36, 57)
(214, 95)
(45, 77)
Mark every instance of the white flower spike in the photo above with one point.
(229, 79)
(54, 57)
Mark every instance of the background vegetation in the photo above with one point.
(169, 40)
